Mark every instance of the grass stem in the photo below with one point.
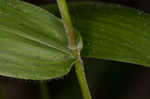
(79, 67)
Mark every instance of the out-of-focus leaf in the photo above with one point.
(111, 32)
(33, 42)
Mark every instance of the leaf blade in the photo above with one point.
(33, 42)
(112, 32)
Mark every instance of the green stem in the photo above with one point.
(44, 90)
(79, 67)
(2, 94)
(67, 22)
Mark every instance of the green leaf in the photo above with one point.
(33, 42)
(112, 32)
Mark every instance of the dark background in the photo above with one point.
(107, 79)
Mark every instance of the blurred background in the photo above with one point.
(107, 79)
